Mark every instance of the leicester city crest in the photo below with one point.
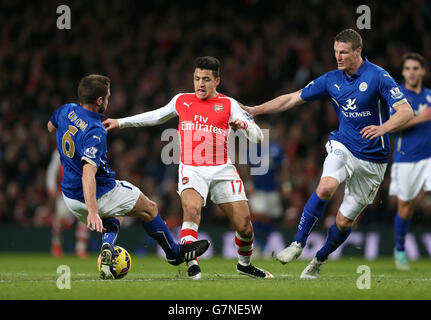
(363, 86)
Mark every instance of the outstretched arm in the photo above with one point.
(279, 104)
(150, 118)
(240, 120)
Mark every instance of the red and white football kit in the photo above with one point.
(203, 129)
(204, 165)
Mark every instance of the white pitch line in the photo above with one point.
(206, 277)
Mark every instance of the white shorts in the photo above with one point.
(409, 178)
(363, 178)
(116, 203)
(223, 181)
(266, 202)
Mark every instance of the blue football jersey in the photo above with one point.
(275, 157)
(81, 137)
(414, 143)
(359, 100)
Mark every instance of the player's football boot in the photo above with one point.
(57, 251)
(253, 271)
(401, 262)
(194, 272)
(312, 270)
(106, 262)
(290, 253)
(190, 251)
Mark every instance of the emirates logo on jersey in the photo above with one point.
(185, 180)
(218, 108)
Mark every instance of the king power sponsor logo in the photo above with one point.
(350, 104)
(349, 107)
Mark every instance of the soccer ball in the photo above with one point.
(122, 264)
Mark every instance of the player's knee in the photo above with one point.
(153, 209)
(326, 188)
(150, 211)
(342, 222)
(245, 229)
(405, 209)
(325, 192)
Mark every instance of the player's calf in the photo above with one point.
(342, 222)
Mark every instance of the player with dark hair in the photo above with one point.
(205, 119)
(362, 95)
(411, 167)
(89, 187)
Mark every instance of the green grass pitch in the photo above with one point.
(35, 277)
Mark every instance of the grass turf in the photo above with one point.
(34, 276)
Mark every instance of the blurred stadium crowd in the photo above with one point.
(147, 48)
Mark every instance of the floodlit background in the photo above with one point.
(147, 48)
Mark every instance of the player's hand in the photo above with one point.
(237, 124)
(94, 222)
(110, 124)
(248, 109)
(371, 132)
(425, 115)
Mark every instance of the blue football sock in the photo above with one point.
(159, 231)
(334, 239)
(401, 227)
(313, 211)
(112, 226)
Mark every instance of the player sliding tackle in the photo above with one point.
(89, 187)
(362, 94)
(205, 118)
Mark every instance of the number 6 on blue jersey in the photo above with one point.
(67, 139)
